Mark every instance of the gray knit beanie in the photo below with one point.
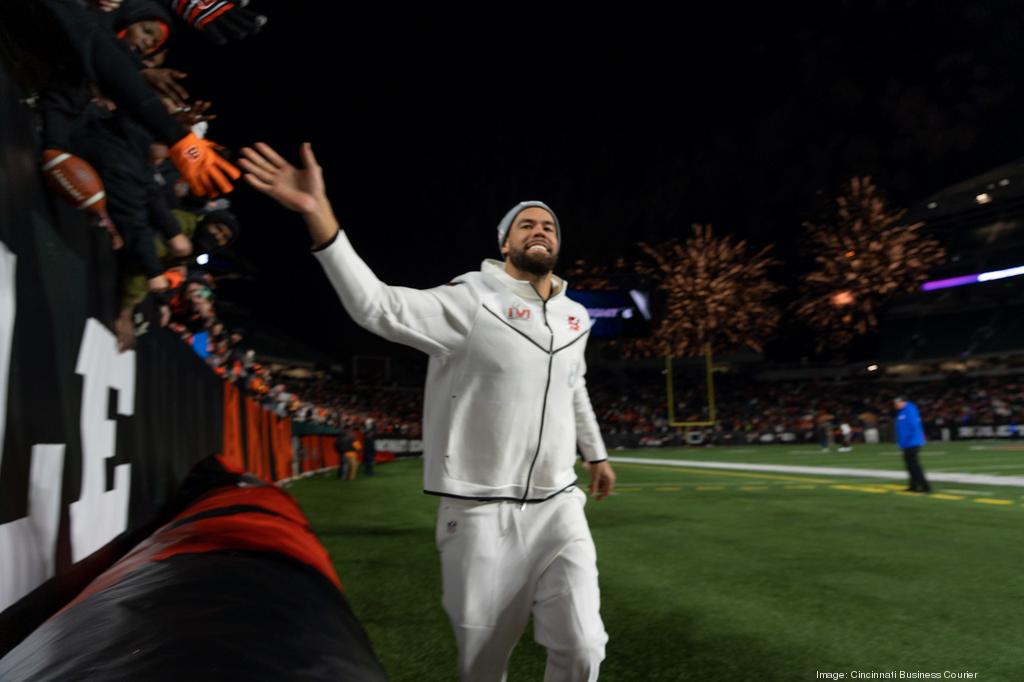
(506, 222)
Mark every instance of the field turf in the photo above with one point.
(730, 575)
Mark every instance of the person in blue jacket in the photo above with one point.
(910, 438)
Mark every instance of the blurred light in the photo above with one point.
(842, 298)
(1001, 274)
(972, 279)
(872, 368)
(933, 204)
(627, 313)
(951, 282)
(642, 303)
(851, 254)
(1004, 182)
(203, 258)
(983, 198)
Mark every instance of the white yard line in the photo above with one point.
(950, 477)
(856, 453)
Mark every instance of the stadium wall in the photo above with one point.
(95, 442)
(101, 447)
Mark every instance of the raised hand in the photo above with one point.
(297, 189)
(194, 114)
(165, 82)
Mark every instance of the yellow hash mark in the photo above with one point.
(711, 487)
(752, 487)
(893, 486)
(799, 487)
(944, 496)
(668, 490)
(861, 488)
(992, 500)
(716, 472)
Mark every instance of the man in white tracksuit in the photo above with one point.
(505, 407)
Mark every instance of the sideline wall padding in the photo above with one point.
(236, 586)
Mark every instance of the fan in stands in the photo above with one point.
(77, 183)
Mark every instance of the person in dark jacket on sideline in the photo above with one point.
(910, 438)
(369, 446)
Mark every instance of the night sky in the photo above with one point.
(633, 123)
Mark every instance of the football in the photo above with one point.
(75, 181)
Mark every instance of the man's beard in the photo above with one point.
(535, 263)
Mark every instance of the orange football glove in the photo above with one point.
(202, 167)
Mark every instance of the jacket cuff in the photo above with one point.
(326, 244)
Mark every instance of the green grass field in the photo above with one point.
(730, 575)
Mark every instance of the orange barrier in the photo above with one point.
(259, 442)
(281, 438)
(256, 440)
(232, 457)
(318, 452)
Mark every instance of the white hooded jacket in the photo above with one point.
(505, 403)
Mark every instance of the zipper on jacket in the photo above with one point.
(544, 403)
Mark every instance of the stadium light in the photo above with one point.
(872, 368)
(983, 198)
(973, 279)
(203, 258)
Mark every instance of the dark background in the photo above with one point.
(630, 122)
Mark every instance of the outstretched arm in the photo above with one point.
(435, 321)
(297, 189)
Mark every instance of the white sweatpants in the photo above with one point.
(500, 562)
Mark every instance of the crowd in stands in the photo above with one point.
(637, 409)
(124, 141)
(98, 74)
(323, 400)
(111, 99)
(635, 412)
(108, 97)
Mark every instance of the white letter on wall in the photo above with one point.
(27, 545)
(101, 515)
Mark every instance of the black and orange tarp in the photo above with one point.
(236, 586)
